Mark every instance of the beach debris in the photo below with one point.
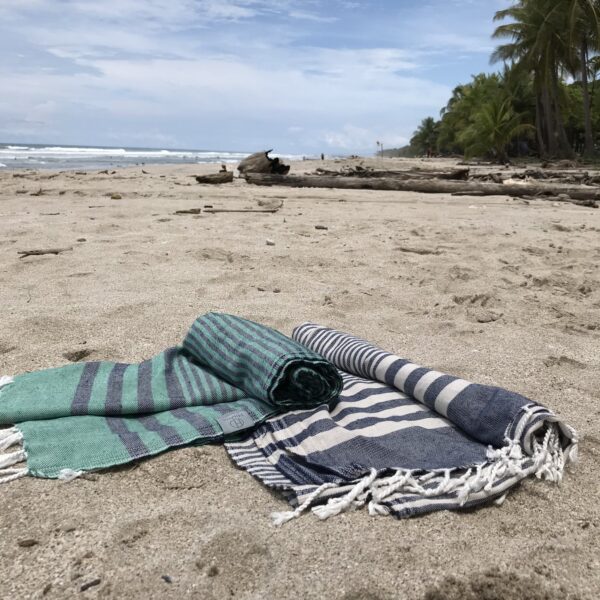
(412, 250)
(241, 210)
(322, 227)
(105, 172)
(28, 543)
(273, 203)
(77, 355)
(167, 578)
(80, 173)
(40, 192)
(116, 197)
(414, 173)
(90, 584)
(188, 211)
(145, 172)
(270, 242)
(215, 178)
(276, 291)
(426, 186)
(40, 252)
(21, 191)
(261, 162)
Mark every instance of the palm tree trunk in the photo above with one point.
(551, 134)
(539, 126)
(564, 146)
(589, 136)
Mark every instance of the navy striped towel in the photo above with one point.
(402, 439)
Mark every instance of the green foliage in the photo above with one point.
(493, 127)
(529, 104)
(425, 137)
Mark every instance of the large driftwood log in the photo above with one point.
(456, 174)
(221, 177)
(425, 186)
(261, 162)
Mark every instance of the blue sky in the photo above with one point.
(301, 76)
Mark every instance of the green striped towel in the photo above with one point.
(227, 376)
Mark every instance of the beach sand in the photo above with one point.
(495, 290)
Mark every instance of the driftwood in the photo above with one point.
(241, 210)
(425, 186)
(25, 253)
(261, 162)
(189, 211)
(455, 174)
(213, 178)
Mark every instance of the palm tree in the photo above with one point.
(425, 137)
(495, 125)
(582, 19)
(537, 43)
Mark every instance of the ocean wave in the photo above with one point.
(2, 165)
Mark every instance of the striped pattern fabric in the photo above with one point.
(402, 438)
(227, 376)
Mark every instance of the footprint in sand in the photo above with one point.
(236, 562)
(495, 584)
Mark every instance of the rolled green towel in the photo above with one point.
(229, 375)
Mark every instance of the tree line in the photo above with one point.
(544, 101)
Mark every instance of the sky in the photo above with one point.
(299, 76)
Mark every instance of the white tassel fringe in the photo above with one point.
(11, 437)
(509, 463)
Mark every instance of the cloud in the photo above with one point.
(228, 74)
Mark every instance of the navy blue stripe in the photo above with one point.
(412, 380)
(393, 369)
(435, 388)
(168, 434)
(83, 392)
(114, 392)
(174, 391)
(132, 441)
(145, 398)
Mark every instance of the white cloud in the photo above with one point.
(297, 73)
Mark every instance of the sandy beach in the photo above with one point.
(495, 290)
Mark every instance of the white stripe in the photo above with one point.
(324, 415)
(402, 375)
(396, 411)
(448, 394)
(384, 365)
(424, 383)
(328, 439)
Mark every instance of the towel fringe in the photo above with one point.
(8, 438)
(7, 475)
(279, 518)
(546, 462)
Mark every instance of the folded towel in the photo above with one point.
(403, 438)
(228, 375)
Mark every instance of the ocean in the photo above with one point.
(39, 156)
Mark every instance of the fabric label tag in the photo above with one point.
(235, 421)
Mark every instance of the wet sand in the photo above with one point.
(495, 290)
